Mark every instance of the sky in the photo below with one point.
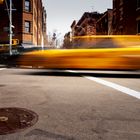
(61, 13)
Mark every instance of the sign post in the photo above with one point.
(10, 28)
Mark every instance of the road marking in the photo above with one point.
(118, 87)
(2, 68)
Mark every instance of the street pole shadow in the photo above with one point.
(39, 132)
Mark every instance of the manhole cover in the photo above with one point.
(16, 119)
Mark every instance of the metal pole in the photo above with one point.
(10, 28)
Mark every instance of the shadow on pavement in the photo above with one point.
(80, 74)
(52, 73)
(39, 132)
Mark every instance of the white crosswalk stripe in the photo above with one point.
(115, 86)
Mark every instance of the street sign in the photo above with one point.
(15, 41)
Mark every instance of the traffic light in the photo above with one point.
(1, 1)
(15, 41)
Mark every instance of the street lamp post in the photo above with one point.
(10, 28)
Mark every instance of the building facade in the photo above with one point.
(73, 26)
(124, 17)
(67, 43)
(104, 24)
(28, 20)
(87, 24)
(138, 16)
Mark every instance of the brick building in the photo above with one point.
(67, 43)
(87, 24)
(73, 26)
(138, 16)
(29, 21)
(104, 24)
(124, 17)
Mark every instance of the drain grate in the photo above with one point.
(16, 119)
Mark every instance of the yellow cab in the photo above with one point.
(108, 52)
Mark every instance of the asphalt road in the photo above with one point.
(74, 105)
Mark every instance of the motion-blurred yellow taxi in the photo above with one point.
(121, 58)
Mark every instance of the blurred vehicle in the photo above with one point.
(121, 58)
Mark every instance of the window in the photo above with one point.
(27, 5)
(27, 26)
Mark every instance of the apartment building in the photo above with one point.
(28, 20)
(87, 24)
(138, 16)
(124, 17)
(67, 43)
(104, 24)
